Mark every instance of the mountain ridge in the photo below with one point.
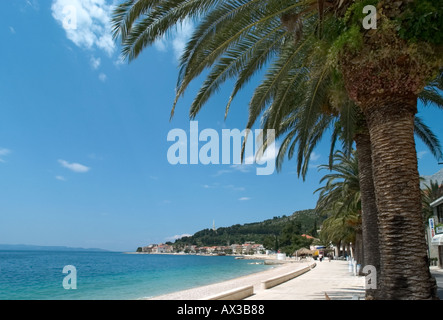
(438, 176)
(300, 222)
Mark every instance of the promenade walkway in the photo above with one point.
(438, 275)
(332, 278)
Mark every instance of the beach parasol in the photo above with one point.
(303, 252)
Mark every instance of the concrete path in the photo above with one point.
(438, 274)
(332, 278)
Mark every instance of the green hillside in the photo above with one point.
(276, 233)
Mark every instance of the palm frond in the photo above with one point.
(428, 137)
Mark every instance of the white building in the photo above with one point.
(436, 231)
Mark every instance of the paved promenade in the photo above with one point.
(332, 278)
(438, 275)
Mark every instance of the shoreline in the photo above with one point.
(240, 256)
(268, 259)
(254, 279)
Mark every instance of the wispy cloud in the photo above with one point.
(315, 156)
(177, 39)
(4, 152)
(228, 187)
(86, 23)
(244, 199)
(95, 156)
(102, 77)
(60, 178)
(12, 30)
(421, 154)
(178, 236)
(234, 188)
(183, 33)
(252, 161)
(269, 154)
(75, 167)
(32, 4)
(241, 167)
(221, 171)
(95, 63)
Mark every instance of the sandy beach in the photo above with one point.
(254, 279)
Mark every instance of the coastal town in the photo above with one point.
(248, 248)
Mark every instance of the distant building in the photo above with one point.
(435, 232)
(158, 248)
(258, 249)
(149, 248)
(236, 248)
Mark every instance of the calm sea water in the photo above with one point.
(38, 275)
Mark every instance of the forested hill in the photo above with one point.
(300, 222)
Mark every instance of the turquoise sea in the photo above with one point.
(38, 275)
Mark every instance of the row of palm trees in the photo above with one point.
(340, 202)
(323, 73)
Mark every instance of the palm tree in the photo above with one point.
(312, 118)
(238, 38)
(351, 126)
(342, 184)
(384, 70)
(341, 232)
(340, 198)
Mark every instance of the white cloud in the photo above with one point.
(161, 45)
(33, 4)
(178, 236)
(177, 39)
(95, 156)
(86, 22)
(241, 167)
(420, 154)
(314, 156)
(253, 161)
(12, 30)
(244, 199)
(119, 61)
(95, 63)
(220, 172)
(270, 153)
(61, 178)
(4, 152)
(234, 188)
(183, 33)
(76, 167)
(102, 77)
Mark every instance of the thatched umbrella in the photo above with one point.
(303, 252)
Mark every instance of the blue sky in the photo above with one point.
(83, 140)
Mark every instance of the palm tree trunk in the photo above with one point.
(338, 248)
(359, 250)
(371, 250)
(404, 263)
